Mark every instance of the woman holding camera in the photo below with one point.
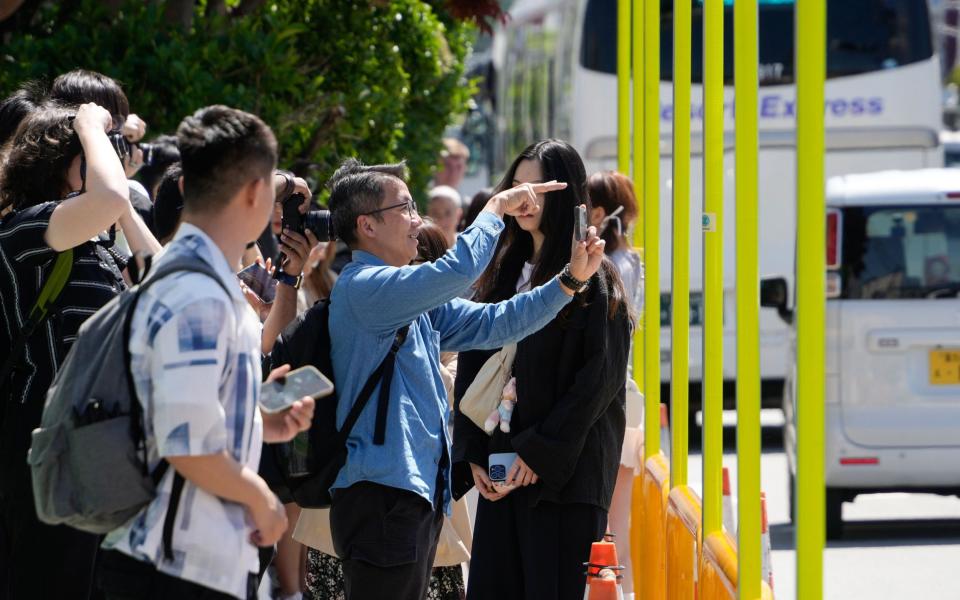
(62, 189)
(534, 532)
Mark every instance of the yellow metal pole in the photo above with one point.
(811, 304)
(680, 288)
(746, 60)
(623, 86)
(638, 189)
(712, 265)
(651, 225)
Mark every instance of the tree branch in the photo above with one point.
(246, 7)
(179, 13)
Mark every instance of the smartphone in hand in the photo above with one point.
(580, 222)
(277, 396)
(260, 282)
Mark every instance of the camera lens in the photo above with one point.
(320, 223)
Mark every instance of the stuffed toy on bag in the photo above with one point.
(504, 412)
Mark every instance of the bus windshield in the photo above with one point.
(862, 36)
(893, 252)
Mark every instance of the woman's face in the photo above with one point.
(530, 171)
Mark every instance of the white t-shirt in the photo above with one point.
(524, 284)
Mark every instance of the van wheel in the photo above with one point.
(834, 514)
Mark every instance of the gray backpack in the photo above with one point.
(88, 458)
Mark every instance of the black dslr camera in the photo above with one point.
(319, 222)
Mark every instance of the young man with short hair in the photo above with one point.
(389, 498)
(196, 366)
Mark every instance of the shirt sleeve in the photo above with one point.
(189, 356)
(466, 325)
(389, 297)
(24, 238)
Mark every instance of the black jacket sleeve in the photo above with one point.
(553, 446)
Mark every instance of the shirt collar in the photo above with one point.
(365, 258)
(213, 256)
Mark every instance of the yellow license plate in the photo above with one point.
(944, 367)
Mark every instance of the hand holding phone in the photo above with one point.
(279, 395)
(260, 282)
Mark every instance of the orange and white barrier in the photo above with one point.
(766, 548)
(729, 513)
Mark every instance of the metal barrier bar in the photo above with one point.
(651, 225)
(746, 61)
(623, 86)
(811, 19)
(638, 150)
(680, 288)
(712, 266)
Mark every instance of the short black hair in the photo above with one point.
(168, 204)
(158, 154)
(221, 149)
(15, 108)
(81, 86)
(357, 189)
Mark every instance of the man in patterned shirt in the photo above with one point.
(196, 365)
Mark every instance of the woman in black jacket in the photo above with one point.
(567, 427)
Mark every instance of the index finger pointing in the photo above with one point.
(549, 186)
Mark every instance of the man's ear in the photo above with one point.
(365, 227)
(180, 184)
(251, 191)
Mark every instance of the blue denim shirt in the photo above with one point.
(369, 302)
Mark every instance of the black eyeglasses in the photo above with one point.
(411, 209)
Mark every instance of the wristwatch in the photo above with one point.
(566, 278)
(286, 278)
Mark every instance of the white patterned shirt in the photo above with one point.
(196, 366)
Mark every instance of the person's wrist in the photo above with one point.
(495, 206)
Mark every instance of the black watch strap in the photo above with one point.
(291, 280)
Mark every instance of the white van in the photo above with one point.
(893, 337)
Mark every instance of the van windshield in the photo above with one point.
(862, 36)
(896, 252)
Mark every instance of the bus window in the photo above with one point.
(862, 36)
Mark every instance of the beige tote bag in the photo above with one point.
(484, 394)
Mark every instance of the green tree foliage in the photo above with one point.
(378, 80)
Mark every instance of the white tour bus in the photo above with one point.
(555, 70)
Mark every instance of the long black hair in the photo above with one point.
(558, 161)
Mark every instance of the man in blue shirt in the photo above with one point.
(389, 499)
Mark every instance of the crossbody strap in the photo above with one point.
(383, 371)
(41, 310)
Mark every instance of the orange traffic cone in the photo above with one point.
(766, 568)
(603, 579)
(665, 430)
(729, 518)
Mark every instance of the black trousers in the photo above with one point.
(532, 553)
(39, 560)
(387, 538)
(124, 578)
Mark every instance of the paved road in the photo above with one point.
(895, 545)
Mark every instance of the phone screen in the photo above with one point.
(305, 381)
(580, 223)
(260, 282)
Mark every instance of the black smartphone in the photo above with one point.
(260, 282)
(580, 223)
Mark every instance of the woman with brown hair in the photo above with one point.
(614, 214)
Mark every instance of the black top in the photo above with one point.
(569, 419)
(25, 262)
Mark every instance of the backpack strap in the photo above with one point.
(136, 411)
(41, 310)
(385, 372)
